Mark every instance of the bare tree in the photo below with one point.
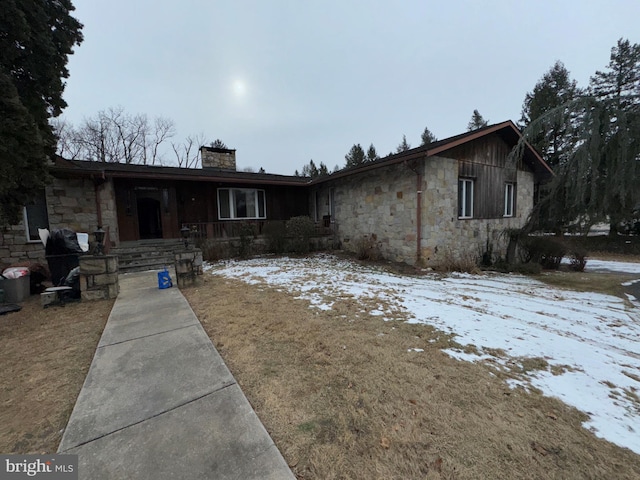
(188, 152)
(113, 135)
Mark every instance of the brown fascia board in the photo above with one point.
(438, 147)
(92, 169)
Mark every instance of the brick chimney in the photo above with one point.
(220, 158)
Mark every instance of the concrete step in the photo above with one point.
(146, 254)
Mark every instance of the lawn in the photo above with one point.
(358, 372)
(45, 356)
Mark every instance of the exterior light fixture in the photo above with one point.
(185, 231)
(99, 236)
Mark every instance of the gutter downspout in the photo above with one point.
(418, 216)
(417, 169)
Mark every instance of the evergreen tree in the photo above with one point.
(217, 143)
(36, 38)
(555, 141)
(598, 178)
(372, 155)
(618, 90)
(476, 122)
(427, 137)
(621, 82)
(403, 146)
(355, 156)
(322, 170)
(310, 170)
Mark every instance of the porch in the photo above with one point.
(231, 229)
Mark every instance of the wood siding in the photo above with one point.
(486, 163)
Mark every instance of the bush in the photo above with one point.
(247, 234)
(367, 248)
(547, 251)
(578, 259)
(212, 250)
(299, 230)
(459, 262)
(276, 234)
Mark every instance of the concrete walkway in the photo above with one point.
(159, 402)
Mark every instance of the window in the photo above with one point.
(509, 195)
(235, 203)
(35, 217)
(465, 198)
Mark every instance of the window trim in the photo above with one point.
(462, 198)
(25, 219)
(509, 200)
(232, 203)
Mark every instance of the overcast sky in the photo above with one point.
(284, 82)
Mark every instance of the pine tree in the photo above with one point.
(310, 170)
(217, 143)
(355, 156)
(322, 170)
(554, 141)
(372, 155)
(403, 146)
(36, 39)
(598, 178)
(476, 122)
(427, 137)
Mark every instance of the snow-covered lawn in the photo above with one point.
(591, 341)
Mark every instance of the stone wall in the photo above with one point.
(380, 207)
(222, 158)
(71, 203)
(446, 238)
(99, 277)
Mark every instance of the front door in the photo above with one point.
(149, 216)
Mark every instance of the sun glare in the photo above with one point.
(239, 88)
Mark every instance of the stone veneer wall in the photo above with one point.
(224, 159)
(71, 203)
(380, 205)
(444, 236)
(99, 277)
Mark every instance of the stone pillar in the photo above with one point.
(188, 267)
(99, 277)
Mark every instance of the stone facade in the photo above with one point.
(445, 237)
(222, 158)
(379, 207)
(99, 277)
(71, 203)
(188, 264)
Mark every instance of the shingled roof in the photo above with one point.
(64, 167)
(507, 130)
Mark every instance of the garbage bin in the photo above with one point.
(62, 253)
(16, 289)
(61, 265)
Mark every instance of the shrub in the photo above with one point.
(547, 251)
(367, 248)
(213, 250)
(299, 230)
(578, 259)
(459, 262)
(247, 233)
(276, 234)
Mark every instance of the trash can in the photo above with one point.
(62, 253)
(16, 289)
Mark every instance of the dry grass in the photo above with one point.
(344, 398)
(45, 356)
(599, 282)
